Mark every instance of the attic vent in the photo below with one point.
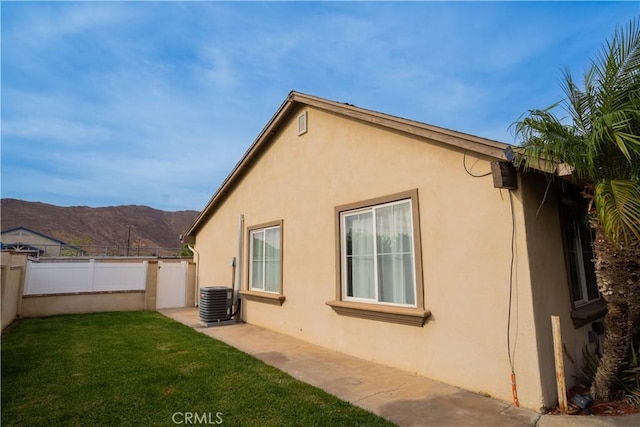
(302, 123)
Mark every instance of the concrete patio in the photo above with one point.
(400, 397)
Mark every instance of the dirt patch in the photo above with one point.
(613, 408)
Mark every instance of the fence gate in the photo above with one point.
(172, 282)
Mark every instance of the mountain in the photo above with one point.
(99, 227)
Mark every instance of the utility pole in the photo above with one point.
(129, 239)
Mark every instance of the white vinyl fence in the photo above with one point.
(172, 282)
(73, 277)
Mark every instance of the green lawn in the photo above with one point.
(145, 369)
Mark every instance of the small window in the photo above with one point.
(265, 259)
(302, 123)
(579, 253)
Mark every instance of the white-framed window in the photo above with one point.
(265, 258)
(378, 254)
(579, 253)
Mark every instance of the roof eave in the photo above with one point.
(236, 173)
(493, 149)
(461, 140)
(20, 227)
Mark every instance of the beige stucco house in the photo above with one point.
(406, 244)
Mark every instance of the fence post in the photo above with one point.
(151, 286)
(27, 277)
(92, 269)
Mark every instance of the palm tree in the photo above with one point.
(600, 141)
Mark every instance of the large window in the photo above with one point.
(579, 248)
(378, 257)
(265, 259)
(379, 260)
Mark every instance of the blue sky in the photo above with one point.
(112, 103)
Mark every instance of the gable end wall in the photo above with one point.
(465, 230)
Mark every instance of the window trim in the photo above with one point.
(372, 210)
(567, 204)
(582, 312)
(261, 295)
(388, 312)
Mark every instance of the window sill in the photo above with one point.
(384, 313)
(588, 313)
(265, 297)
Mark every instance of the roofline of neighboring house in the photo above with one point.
(34, 232)
(494, 149)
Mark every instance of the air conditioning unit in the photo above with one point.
(216, 306)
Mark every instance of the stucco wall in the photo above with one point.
(551, 294)
(14, 271)
(190, 289)
(465, 229)
(49, 305)
(13, 268)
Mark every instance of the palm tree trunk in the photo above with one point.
(616, 348)
(618, 276)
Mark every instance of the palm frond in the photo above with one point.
(615, 128)
(617, 64)
(577, 102)
(618, 208)
(602, 141)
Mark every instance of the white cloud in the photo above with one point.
(51, 21)
(154, 103)
(69, 132)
